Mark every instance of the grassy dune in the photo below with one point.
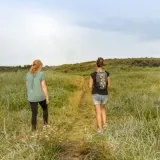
(133, 114)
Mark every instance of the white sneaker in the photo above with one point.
(45, 127)
(48, 126)
(105, 126)
(34, 135)
(100, 131)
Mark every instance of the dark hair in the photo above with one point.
(100, 61)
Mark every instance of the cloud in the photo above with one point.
(146, 29)
(54, 37)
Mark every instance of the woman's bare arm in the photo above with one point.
(44, 87)
(109, 81)
(91, 83)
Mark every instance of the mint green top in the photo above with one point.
(34, 88)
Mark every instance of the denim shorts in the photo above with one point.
(99, 99)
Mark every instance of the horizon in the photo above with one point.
(73, 31)
(23, 65)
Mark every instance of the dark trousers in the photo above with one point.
(34, 108)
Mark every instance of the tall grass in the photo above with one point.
(132, 111)
(135, 121)
(15, 117)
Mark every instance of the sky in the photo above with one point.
(72, 31)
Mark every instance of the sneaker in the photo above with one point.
(45, 127)
(105, 126)
(48, 126)
(100, 131)
(34, 135)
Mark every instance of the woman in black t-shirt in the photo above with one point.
(99, 83)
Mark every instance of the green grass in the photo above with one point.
(132, 110)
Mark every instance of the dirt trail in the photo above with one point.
(83, 124)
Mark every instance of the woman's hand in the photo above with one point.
(47, 100)
(109, 81)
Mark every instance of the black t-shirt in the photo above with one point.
(95, 90)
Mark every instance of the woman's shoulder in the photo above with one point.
(28, 73)
(93, 73)
(107, 72)
(41, 73)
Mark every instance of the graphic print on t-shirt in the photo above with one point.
(101, 80)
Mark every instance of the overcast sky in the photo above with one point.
(70, 31)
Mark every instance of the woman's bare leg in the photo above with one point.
(98, 116)
(103, 114)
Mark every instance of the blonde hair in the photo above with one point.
(37, 64)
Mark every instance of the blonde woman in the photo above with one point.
(99, 84)
(37, 92)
